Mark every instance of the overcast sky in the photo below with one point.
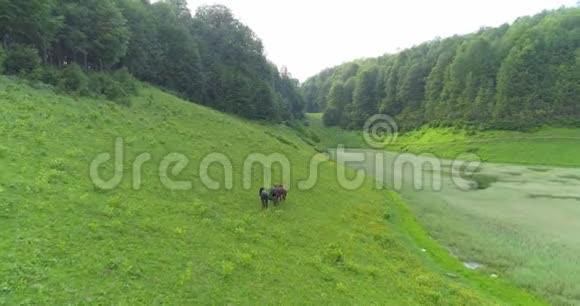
(310, 35)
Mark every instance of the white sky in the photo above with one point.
(309, 35)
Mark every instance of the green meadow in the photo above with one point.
(65, 241)
(550, 146)
(333, 136)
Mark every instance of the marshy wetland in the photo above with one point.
(518, 222)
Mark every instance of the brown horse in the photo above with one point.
(278, 193)
(283, 191)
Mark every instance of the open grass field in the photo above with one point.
(64, 241)
(517, 219)
(543, 146)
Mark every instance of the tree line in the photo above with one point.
(510, 77)
(208, 57)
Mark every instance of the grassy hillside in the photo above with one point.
(333, 136)
(64, 241)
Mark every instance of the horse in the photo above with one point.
(283, 191)
(264, 197)
(278, 193)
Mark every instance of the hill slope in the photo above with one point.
(65, 241)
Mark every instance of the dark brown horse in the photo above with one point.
(283, 191)
(278, 193)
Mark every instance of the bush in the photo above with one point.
(74, 79)
(113, 90)
(126, 80)
(96, 83)
(50, 75)
(21, 59)
(114, 86)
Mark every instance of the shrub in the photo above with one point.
(96, 82)
(101, 83)
(21, 59)
(126, 80)
(113, 90)
(107, 85)
(74, 79)
(50, 75)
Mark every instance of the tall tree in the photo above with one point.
(365, 97)
(31, 22)
(95, 30)
(337, 102)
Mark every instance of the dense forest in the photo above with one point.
(510, 77)
(94, 46)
